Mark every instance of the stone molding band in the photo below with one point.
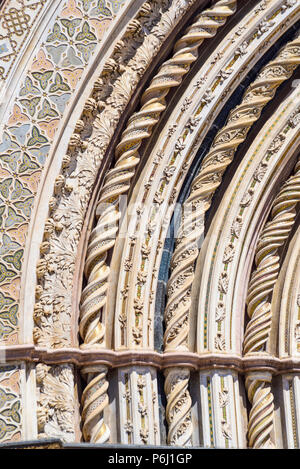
(117, 359)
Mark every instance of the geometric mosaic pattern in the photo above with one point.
(16, 21)
(10, 404)
(30, 129)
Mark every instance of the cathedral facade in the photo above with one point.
(149, 197)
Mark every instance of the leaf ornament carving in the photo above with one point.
(178, 411)
(55, 401)
(204, 185)
(117, 180)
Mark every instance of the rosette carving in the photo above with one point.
(178, 411)
(221, 154)
(117, 180)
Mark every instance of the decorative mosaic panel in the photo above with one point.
(30, 129)
(10, 404)
(16, 21)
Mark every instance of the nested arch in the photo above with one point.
(66, 209)
(219, 346)
(90, 138)
(118, 312)
(223, 292)
(171, 159)
(228, 253)
(286, 301)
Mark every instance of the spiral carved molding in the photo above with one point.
(117, 180)
(221, 154)
(274, 235)
(94, 401)
(178, 411)
(79, 69)
(261, 415)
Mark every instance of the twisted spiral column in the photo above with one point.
(117, 180)
(263, 279)
(94, 400)
(221, 154)
(185, 51)
(93, 297)
(178, 411)
(261, 398)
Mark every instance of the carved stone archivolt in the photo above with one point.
(263, 280)
(221, 154)
(180, 145)
(117, 180)
(203, 187)
(170, 161)
(227, 251)
(234, 237)
(284, 328)
(121, 73)
(285, 303)
(110, 384)
(62, 214)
